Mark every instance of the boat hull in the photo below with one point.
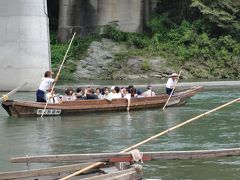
(27, 108)
(133, 172)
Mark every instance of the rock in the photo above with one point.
(99, 55)
(135, 64)
(100, 63)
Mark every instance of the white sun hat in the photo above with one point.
(173, 75)
(112, 88)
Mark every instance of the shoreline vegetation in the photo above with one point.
(201, 38)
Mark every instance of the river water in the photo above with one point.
(113, 132)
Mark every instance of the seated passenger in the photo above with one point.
(69, 95)
(89, 94)
(107, 95)
(116, 93)
(98, 93)
(79, 93)
(51, 97)
(149, 92)
(126, 93)
(134, 92)
(112, 89)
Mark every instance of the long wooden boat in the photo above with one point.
(111, 169)
(129, 172)
(28, 108)
(127, 157)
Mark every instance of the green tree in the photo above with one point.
(224, 15)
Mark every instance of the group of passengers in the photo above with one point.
(46, 93)
(99, 93)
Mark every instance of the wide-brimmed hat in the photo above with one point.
(173, 75)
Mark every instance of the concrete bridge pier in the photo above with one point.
(24, 43)
(84, 16)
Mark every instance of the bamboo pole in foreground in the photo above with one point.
(58, 74)
(172, 90)
(153, 137)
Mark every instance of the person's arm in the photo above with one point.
(128, 106)
(85, 94)
(108, 97)
(128, 96)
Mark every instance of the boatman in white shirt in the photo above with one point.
(171, 83)
(45, 85)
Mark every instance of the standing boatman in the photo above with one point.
(171, 83)
(45, 85)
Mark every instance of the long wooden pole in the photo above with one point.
(59, 71)
(172, 90)
(6, 96)
(154, 137)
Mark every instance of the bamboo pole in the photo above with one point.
(154, 137)
(83, 170)
(172, 91)
(59, 71)
(6, 96)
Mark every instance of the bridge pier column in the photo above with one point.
(84, 16)
(24, 43)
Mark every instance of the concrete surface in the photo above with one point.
(24, 43)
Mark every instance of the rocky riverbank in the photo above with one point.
(107, 60)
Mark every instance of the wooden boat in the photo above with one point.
(28, 108)
(127, 157)
(131, 172)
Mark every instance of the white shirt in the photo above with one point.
(170, 83)
(148, 93)
(116, 95)
(46, 84)
(52, 99)
(69, 98)
(100, 96)
(108, 97)
(127, 96)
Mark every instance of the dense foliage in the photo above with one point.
(208, 39)
(201, 36)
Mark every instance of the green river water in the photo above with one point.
(113, 132)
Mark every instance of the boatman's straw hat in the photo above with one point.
(173, 75)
